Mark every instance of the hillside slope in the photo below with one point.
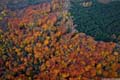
(41, 43)
(101, 21)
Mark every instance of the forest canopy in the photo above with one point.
(101, 21)
(40, 42)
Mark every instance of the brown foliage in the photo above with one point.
(41, 50)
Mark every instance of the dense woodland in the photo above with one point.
(40, 42)
(101, 21)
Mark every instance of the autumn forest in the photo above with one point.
(41, 42)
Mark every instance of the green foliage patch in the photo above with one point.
(101, 21)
